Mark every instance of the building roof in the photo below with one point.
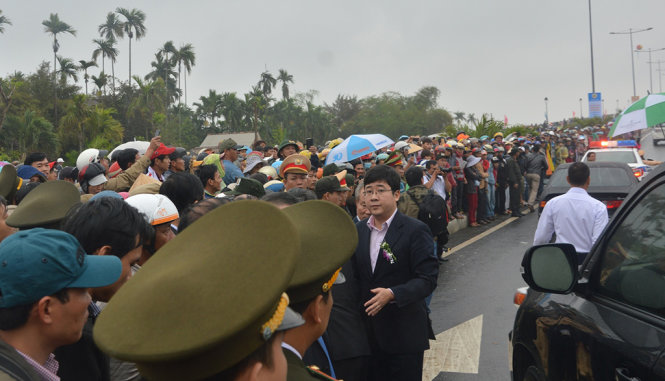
(243, 138)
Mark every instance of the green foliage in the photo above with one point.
(393, 115)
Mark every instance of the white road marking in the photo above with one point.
(479, 236)
(455, 350)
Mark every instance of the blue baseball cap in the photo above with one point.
(27, 171)
(40, 262)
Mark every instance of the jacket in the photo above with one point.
(501, 172)
(402, 326)
(407, 205)
(124, 180)
(514, 173)
(535, 163)
(13, 366)
(472, 175)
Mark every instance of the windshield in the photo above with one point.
(627, 157)
(600, 177)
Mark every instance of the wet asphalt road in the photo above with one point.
(481, 278)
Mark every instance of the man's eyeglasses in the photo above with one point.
(376, 192)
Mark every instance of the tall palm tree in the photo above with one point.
(163, 70)
(134, 28)
(75, 118)
(107, 49)
(68, 69)
(185, 56)
(266, 83)
(55, 26)
(285, 78)
(210, 107)
(84, 65)
(112, 29)
(4, 21)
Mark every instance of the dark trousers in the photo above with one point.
(482, 204)
(402, 367)
(353, 369)
(515, 199)
(458, 197)
(500, 197)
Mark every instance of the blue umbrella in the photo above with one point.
(356, 146)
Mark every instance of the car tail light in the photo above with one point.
(520, 296)
(614, 204)
(638, 172)
(542, 204)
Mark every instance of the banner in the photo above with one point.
(595, 105)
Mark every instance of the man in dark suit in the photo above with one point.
(396, 270)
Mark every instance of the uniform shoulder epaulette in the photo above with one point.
(315, 371)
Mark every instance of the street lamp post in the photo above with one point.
(593, 80)
(650, 66)
(632, 59)
(547, 114)
(581, 115)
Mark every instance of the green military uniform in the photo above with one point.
(9, 182)
(198, 308)
(324, 247)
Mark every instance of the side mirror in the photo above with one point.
(551, 268)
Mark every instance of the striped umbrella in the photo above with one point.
(647, 112)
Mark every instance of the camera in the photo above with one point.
(445, 170)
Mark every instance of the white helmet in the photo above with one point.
(157, 209)
(89, 156)
(400, 145)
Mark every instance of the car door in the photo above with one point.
(619, 325)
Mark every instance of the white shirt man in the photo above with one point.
(575, 217)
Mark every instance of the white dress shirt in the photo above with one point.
(376, 238)
(575, 217)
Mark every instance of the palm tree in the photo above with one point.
(185, 56)
(459, 116)
(266, 83)
(75, 117)
(4, 21)
(163, 70)
(210, 107)
(107, 49)
(55, 26)
(471, 117)
(285, 78)
(68, 69)
(100, 81)
(84, 65)
(165, 63)
(111, 30)
(134, 28)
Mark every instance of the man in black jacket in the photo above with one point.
(514, 180)
(535, 164)
(396, 271)
(501, 181)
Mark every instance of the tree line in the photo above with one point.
(73, 104)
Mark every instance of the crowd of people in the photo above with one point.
(208, 299)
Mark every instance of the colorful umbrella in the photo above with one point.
(356, 146)
(647, 112)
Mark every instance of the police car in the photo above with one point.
(620, 151)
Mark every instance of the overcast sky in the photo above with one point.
(486, 56)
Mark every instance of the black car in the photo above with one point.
(603, 319)
(610, 183)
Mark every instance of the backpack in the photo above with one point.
(432, 211)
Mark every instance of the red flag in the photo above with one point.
(573, 114)
(505, 120)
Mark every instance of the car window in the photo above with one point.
(632, 266)
(600, 177)
(627, 157)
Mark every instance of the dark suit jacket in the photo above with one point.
(402, 326)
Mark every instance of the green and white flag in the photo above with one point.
(647, 112)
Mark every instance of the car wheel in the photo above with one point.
(533, 373)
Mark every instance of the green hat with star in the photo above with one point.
(324, 247)
(45, 206)
(197, 307)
